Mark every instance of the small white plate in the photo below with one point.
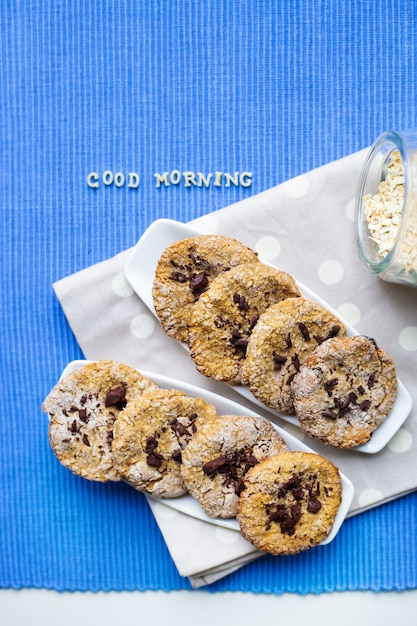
(140, 271)
(188, 505)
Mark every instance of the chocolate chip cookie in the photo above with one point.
(83, 408)
(217, 458)
(150, 435)
(289, 502)
(344, 391)
(224, 317)
(185, 270)
(285, 335)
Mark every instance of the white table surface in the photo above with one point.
(183, 608)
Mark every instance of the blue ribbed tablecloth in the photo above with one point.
(126, 90)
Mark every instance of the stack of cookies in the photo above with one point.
(246, 323)
(108, 422)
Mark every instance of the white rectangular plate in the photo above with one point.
(188, 505)
(140, 271)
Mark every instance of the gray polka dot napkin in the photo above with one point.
(304, 226)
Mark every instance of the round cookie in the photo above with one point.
(150, 435)
(224, 317)
(185, 270)
(285, 335)
(290, 502)
(83, 408)
(215, 461)
(344, 391)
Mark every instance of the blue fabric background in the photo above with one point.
(272, 87)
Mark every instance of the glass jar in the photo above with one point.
(386, 208)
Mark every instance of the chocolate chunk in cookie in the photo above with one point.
(344, 391)
(186, 269)
(217, 458)
(290, 502)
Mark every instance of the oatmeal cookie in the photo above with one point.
(150, 435)
(83, 408)
(344, 391)
(224, 317)
(215, 461)
(185, 270)
(289, 502)
(285, 335)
